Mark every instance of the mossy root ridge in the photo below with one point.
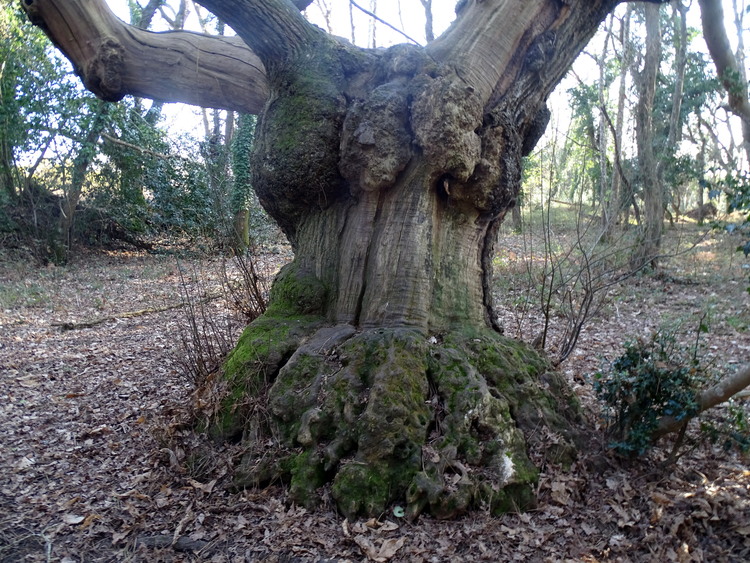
(432, 422)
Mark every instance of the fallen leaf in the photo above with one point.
(366, 546)
(73, 519)
(389, 548)
(388, 526)
(345, 528)
(89, 520)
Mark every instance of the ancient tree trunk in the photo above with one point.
(376, 366)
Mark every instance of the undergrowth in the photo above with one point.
(661, 378)
(215, 313)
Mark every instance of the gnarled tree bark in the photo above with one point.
(376, 366)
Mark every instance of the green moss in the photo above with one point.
(307, 477)
(295, 388)
(296, 293)
(375, 396)
(252, 366)
(367, 488)
(295, 161)
(512, 498)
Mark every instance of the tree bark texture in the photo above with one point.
(376, 367)
(114, 59)
(649, 241)
(731, 76)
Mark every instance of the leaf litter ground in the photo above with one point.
(98, 463)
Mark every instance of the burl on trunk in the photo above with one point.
(378, 366)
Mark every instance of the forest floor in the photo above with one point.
(97, 463)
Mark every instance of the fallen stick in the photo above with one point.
(128, 315)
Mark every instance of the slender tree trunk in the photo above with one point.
(603, 137)
(6, 170)
(674, 134)
(649, 242)
(618, 201)
(83, 159)
(701, 167)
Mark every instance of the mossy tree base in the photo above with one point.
(374, 368)
(389, 415)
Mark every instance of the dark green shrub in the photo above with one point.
(651, 380)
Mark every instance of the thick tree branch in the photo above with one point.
(115, 59)
(722, 391)
(484, 39)
(274, 29)
(712, 19)
(495, 44)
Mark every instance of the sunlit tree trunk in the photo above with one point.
(603, 136)
(6, 170)
(618, 201)
(674, 132)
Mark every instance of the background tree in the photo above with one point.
(376, 365)
(731, 74)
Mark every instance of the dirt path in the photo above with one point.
(97, 465)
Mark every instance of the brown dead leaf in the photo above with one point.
(560, 493)
(388, 526)
(389, 548)
(345, 528)
(117, 537)
(660, 498)
(386, 551)
(366, 545)
(90, 520)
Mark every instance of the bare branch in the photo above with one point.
(115, 59)
(722, 391)
(274, 29)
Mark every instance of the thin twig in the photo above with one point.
(376, 18)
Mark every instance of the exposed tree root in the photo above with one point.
(391, 415)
